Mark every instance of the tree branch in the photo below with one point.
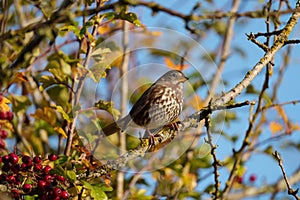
(162, 138)
(291, 191)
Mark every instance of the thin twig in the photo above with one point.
(78, 91)
(280, 104)
(263, 61)
(215, 163)
(225, 52)
(291, 191)
(238, 155)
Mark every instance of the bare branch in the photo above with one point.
(291, 191)
(216, 162)
(280, 40)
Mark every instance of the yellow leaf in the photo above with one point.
(61, 131)
(190, 181)
(275, 127)
(5, 124)
(47, 114)
(64, 114)
(3, 104)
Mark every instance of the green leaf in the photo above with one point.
(27, 197)
(71, 175)
(58, 169)
(59, 75)
(47, 81)
(20, 103)
(108, 106)
(130, 17)
(110, 15)
(98, 71)
(97, 191)
(62, 160)
(103, 57)
(98, 54)
(69, 28)
(64, 114)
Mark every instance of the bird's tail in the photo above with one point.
(115, 127)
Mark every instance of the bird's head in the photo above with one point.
(173, 76)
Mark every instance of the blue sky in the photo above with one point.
(263, 166)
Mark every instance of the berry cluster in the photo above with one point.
(29, 176)
(240, 179)
(4, 115)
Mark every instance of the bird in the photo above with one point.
(158, 106)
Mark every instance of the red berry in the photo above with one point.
(24, 167)
(5, 159)
(52, 157)
(239, 179)
(15, 193)
(38, 167)
(60, 178)
(2, 144)
(9, 116)
(48, 178)
(27, 160)
(252, 178)
(3, 115)
(13, 158)
(1, 97)
(42, 184)
(47, 169)
(15, 168)
(27, 187)
(0, 159)
(64, 195)
(3, 134)
(6, 167)
(37, 159)
(11, 179)
(57, 192)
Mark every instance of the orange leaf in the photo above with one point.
(283, 115)
(275, 127)
(295, 127)
(174, 66)
(104, 29)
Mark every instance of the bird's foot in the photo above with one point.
(174, 126)
(151, 138)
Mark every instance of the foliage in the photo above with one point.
(62, 67)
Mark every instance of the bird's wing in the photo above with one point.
(143, 103)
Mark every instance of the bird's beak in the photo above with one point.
(183, 79)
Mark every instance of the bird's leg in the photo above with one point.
(140, 134)
(174, 125)
(151, 140)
